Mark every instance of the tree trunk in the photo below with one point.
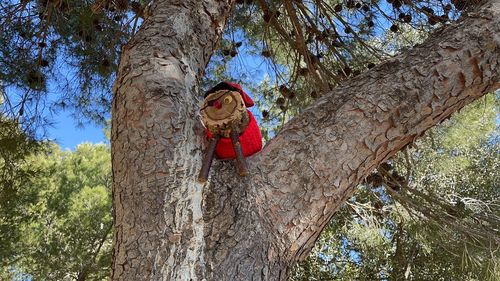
(156, 137)
(169, 227)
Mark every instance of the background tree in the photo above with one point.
(64, 230)
(15, 146)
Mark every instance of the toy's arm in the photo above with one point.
(240, 158)
(207, 160)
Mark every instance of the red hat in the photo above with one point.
(233, 87)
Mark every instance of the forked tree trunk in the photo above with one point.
(169, 227)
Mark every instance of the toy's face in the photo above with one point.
(222, 105)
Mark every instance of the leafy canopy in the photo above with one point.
(64, 227)
(62, 54)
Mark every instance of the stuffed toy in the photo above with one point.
(231, 128)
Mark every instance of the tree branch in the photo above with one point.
(320, 156)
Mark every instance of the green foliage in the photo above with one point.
(65, 229)
(438, 222)
(15, 146)
(70, 48)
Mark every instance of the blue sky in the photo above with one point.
(67, 134)
(64, 129)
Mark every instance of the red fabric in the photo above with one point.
(250, 140)
(246, 99)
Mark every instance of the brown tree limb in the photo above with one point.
(325, 151)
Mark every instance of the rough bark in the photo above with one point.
(156, 137)
(169, 227)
